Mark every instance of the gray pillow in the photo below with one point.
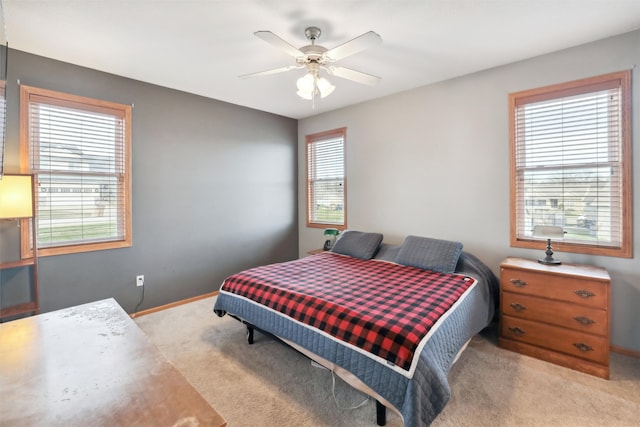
(357, 244)
(387, 252)
(430, 254)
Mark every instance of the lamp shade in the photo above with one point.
(306, 83)
(305, 95)
(16, 200)
(311, 85)
(548, 232)
(325, 87)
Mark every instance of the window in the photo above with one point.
(326, 179)
(571, 164)
(79, 148)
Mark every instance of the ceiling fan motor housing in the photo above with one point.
(312, 33)
(312, 53)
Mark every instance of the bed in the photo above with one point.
(389, 319)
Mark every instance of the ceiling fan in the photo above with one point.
(315, 58)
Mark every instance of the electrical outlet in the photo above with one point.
(140, 280)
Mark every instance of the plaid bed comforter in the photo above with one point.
(383, 308)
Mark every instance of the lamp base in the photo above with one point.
(549, 261)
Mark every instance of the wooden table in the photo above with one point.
(91, 365)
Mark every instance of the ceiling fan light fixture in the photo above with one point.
(325, 87)
(311, 85)
(305, 95)
(306, 83)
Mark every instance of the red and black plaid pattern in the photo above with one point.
(383, 308)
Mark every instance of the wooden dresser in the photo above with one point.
(557, 313)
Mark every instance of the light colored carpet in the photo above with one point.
(269, 384)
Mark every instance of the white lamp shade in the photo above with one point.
(306, 83)
(548, 232)
(310, 84)
(325, 87)
(304, 95)
(16, 200)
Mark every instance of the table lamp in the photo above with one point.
(17, 202)
(548, 232)
(330, 234)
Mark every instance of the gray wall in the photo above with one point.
(214, 192)
(434, 161)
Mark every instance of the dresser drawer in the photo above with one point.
(574, 343)
(573, 316)
(579, 291)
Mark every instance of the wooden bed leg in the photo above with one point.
(249, 334)
(381, 414)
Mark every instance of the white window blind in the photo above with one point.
(78, 151)
(569, 168)
(326, 178)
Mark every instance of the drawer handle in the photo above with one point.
(584, 294)
(584, 320)
(518, 283)
(517, 331)
(518, 307)
(582, 347)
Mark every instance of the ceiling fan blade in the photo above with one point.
(269, 72)
(356, 76)
(278, 43)
(353, 46)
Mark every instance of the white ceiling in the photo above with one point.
(202, 46)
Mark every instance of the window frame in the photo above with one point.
(92, 105)
(582, 86)
(311, 139)
(3, 123)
